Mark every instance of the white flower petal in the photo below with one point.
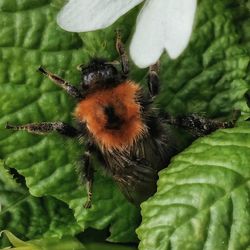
(87, 15)
(162, 24)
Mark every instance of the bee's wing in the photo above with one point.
(136, 172)
(138, 183)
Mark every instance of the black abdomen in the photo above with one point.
(135, 170)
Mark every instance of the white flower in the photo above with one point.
(161, 24)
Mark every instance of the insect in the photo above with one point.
(119, 124)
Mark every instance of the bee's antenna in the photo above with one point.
(42, 70)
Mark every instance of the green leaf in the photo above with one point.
(65, 243)
(43, 244)
(212, 74)
(210, 77)
(202, 201)
(30, 37)
(30, 217)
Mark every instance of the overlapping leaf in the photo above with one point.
(65, 243)
(202, 200)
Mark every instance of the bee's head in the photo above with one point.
(99, 73)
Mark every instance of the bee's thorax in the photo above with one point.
(113, 116)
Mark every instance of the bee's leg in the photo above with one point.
(153, 80)
(46, 127)
(200, 126)
(70, 89)
(85, 172)
(122, 53)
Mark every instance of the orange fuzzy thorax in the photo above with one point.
(123, 98)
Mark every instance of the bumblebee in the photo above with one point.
(119, 125)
